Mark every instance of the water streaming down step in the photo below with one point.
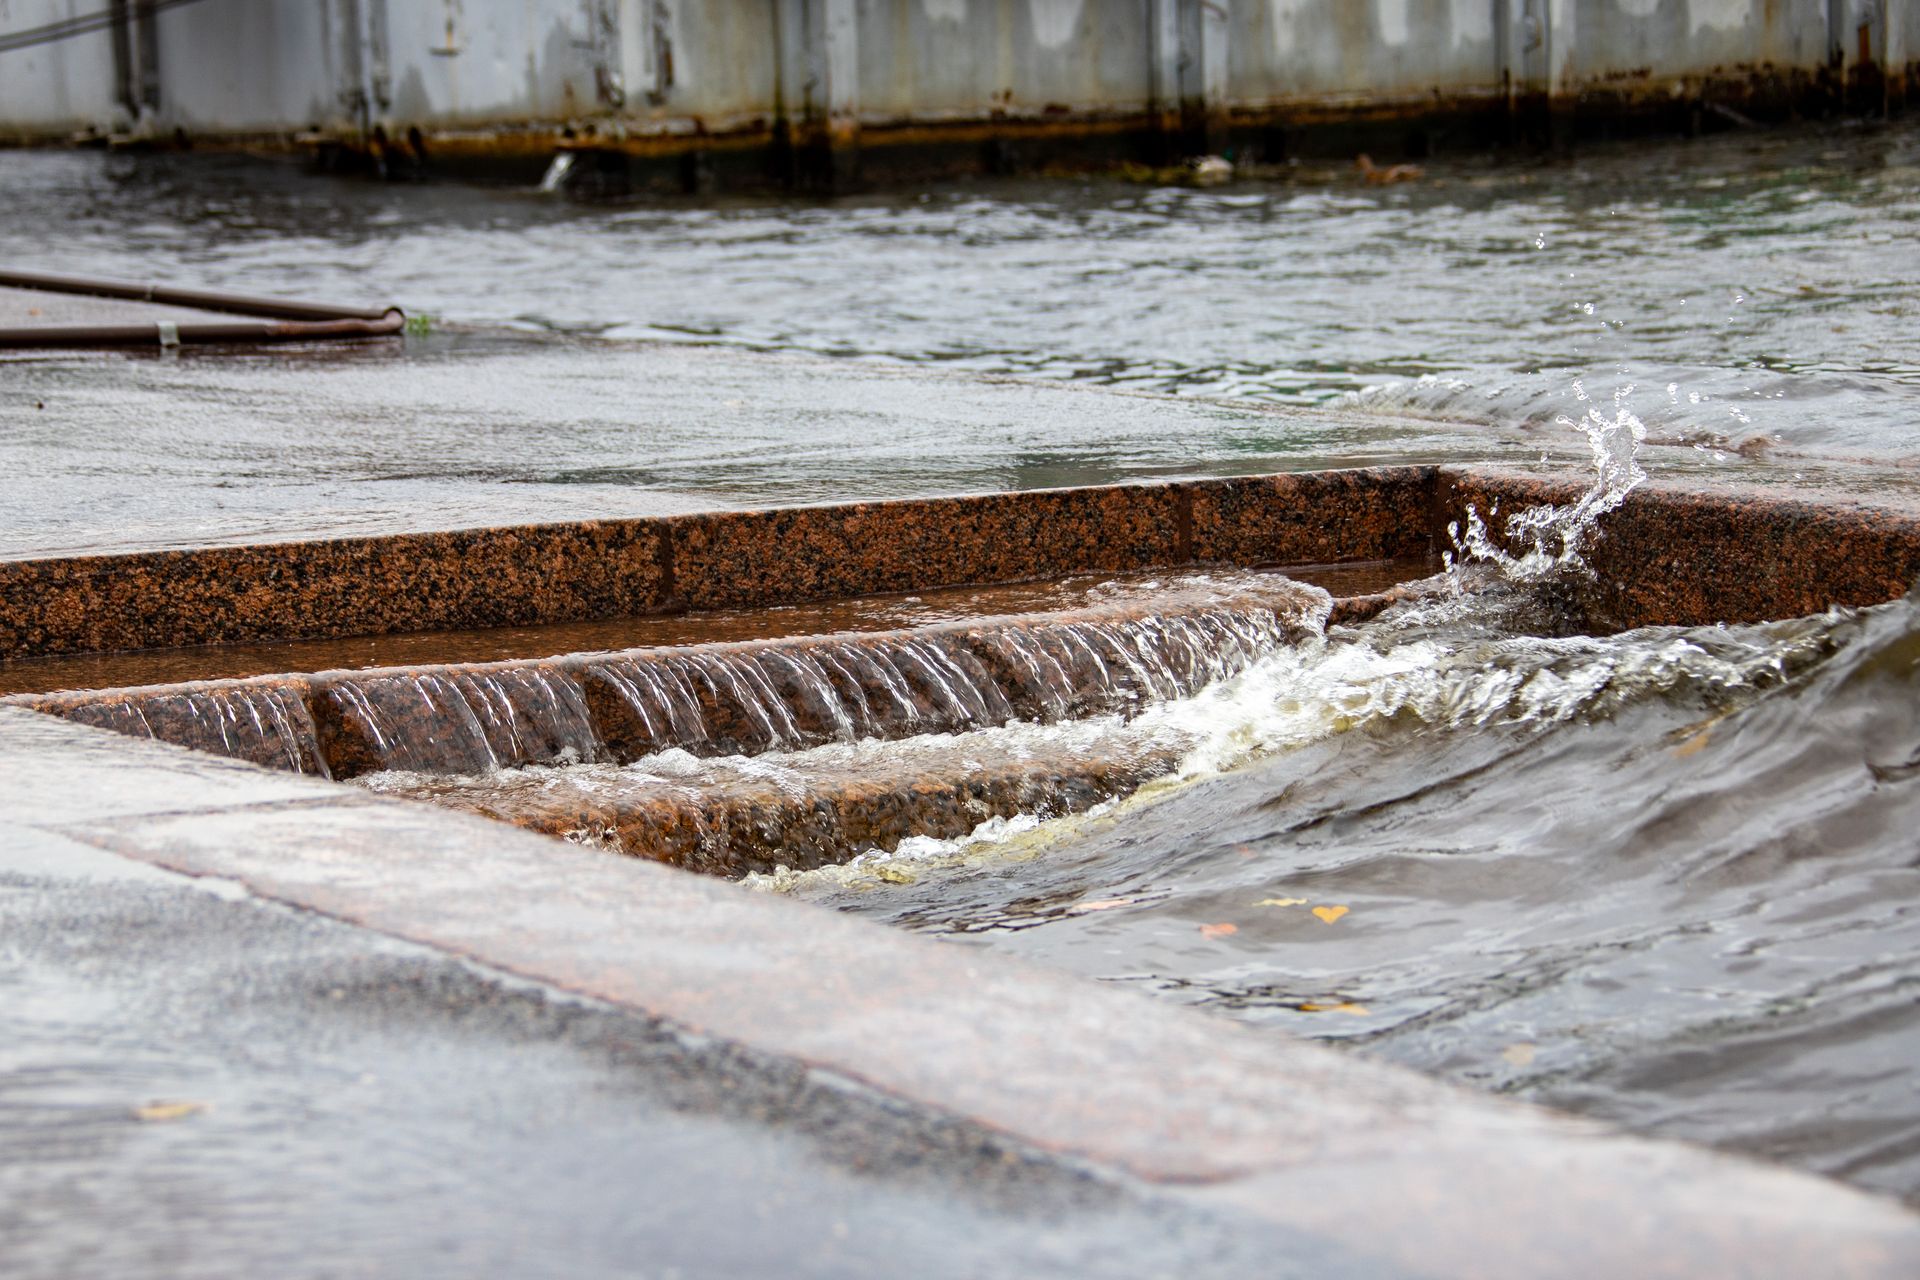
(452, 720)
(788, 696)
(797, 810)
(785, 695)
(802, 754)
(262, 723)
(1113, 656)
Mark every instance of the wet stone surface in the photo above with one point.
(1152, 641)
(801, 810)
(327, 1102)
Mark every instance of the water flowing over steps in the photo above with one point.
(808, 809)
(542, 743)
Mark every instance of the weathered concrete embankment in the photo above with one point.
(828, 93)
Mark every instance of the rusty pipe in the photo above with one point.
(162, 333)
(204, 299)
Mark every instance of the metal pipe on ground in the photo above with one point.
(168, 334)
(279, 319)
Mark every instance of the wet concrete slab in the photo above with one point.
(1351, 1159)
(194, 1081)
(124, 452)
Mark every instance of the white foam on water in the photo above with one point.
(1545, 541)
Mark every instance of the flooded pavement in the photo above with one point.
(459, 431)
(1751, 288)
(1665, 878)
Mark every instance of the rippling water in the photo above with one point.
(1754, 288)
(1667, 877)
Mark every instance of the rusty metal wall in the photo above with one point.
(921, 58)
(1288, 50)
(1666, 38)
(623, 68)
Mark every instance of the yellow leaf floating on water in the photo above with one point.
(1329, 914)
(1281, 902)
(1694, 745)
(1212, 931)
(892, 874)
(1103, 904)
(1520, 1054)
(1345, 1006)
(158, 1111)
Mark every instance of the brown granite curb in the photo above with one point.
(1668, 555)
(532, 574)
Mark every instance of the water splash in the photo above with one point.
(1545, 541)
(1420, 669)
(555, 177)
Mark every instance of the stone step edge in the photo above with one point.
(736, 827)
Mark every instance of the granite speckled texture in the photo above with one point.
(1314, 517)
(1684, 558)
(814, 553)
(610, 569)
(359, 586)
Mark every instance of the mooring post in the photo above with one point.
(1167, 56)
(1188, 77)
(819, 69)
